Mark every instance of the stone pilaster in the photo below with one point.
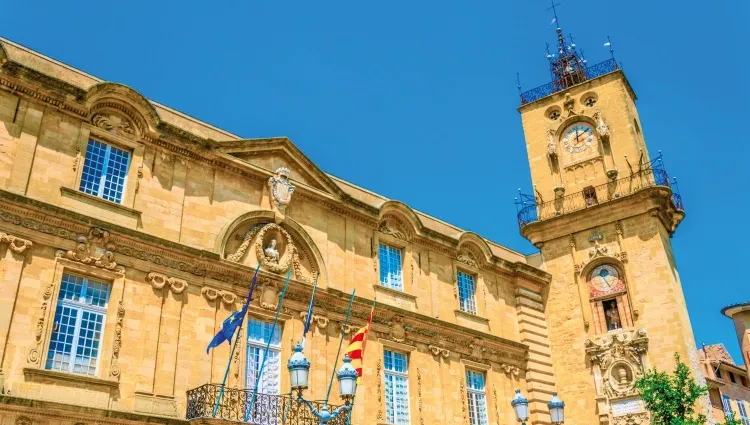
(11, 269)
(540, 379)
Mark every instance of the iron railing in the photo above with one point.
(593, 71)
(267, 409)
(529, 210)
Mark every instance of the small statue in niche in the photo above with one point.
(271, 252)
(612, 315)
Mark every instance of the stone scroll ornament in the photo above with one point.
(94, 249)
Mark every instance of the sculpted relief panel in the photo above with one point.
(617, 361)
(275, 249)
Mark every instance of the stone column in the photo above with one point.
(11, 270)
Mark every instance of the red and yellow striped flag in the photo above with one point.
(356, 348)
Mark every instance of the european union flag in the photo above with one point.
(230, 325)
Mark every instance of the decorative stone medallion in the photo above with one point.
(281, 188)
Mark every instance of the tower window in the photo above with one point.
(590, 102)
(732, 378)
(611, 315)
(589, 195)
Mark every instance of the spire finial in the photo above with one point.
(554, 13)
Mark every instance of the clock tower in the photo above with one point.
(602, 214)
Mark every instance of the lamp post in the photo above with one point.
(299, 371)
(521, 406)
(556, 409)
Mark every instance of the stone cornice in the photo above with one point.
(69, 99)
(41, 218)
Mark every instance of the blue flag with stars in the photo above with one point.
(234, 320)
(230, 325)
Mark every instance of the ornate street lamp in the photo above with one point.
(521, 407)
(556, 409)
(299, 370)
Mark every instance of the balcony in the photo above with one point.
(593, 71)
(267, 409)
(530, 211)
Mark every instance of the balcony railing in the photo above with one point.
(593, 71)
(529, 211)
(267, 409)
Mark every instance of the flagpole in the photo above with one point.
(309, 312)
(236, 338)
(268, 346)
(341, 340)
(364, 344)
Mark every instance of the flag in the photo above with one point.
(553, 21)
(309, 313)
(607, 44)
(356, 348)
(234, 321)
(226, 332)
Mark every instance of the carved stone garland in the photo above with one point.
(494, 399)
(94, 249)
(114, 370)
(246, 240)
(464, 398)
(15, 244)
(33, 356)
(419, 396)
(379, 378)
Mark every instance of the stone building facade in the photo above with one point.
(129, 232)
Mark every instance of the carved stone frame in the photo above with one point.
(479, 294)
(117, 282)
(406, 266)
(135, 166)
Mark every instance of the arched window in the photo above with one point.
(609, 300)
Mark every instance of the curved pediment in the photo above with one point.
(254, 238)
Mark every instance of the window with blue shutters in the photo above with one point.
(76, 338)
(104, 171)
(391, 275)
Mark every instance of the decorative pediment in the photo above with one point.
(280, 153)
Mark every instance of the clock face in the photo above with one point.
(578, 138)
(605, 278)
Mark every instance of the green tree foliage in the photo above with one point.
(671, 398)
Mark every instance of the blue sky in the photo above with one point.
(417, 100)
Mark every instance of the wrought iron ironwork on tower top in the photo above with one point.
(567, 65)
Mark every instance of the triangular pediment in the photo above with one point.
(274, 153)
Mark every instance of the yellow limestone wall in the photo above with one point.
(185, 202)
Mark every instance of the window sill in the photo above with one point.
(68, 377)
(112, 206)
(472, 317)
(394, 292)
